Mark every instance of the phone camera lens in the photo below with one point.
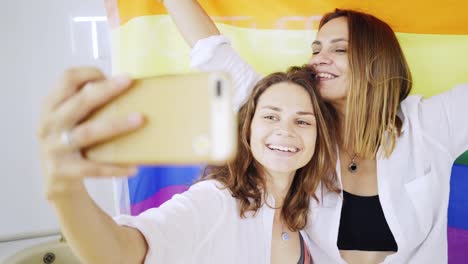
(219, 90)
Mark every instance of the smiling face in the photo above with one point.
(363, 73)
(330, 60)
(283, 130)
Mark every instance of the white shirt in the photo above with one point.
(413, 183)
(203, 225)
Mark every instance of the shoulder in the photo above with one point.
(415, 107)
(409, 106)
(213, 185)
(209, 191)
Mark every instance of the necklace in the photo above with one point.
(353, 166)
(284, 233)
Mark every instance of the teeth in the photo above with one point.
(325, 75)
(282, 148)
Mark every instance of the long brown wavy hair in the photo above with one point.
(380, 80)
(243, 176)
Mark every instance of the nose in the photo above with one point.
(321, 58)
(284, 129)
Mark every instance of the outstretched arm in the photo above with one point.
(444, 119)
(157, 235)
(90, 232)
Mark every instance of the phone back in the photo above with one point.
(188, 119)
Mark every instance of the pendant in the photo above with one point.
(285, 236)
(352, 167)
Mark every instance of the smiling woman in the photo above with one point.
(251, 210)
(333, 69)
(283, 125)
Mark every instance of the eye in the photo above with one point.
(270, 117)
(315, 49)
(303, 123)
(341, 51)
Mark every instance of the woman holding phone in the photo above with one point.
(252, 210)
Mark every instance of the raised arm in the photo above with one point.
(91, 233)
(215, 53)
(191, 20)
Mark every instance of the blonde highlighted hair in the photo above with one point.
(380, 79)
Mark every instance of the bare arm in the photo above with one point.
(194, 24)
(91, 233)
(191, 20)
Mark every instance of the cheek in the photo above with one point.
(255, 131)
(343, 88)
(342, 64)
(310, 142)
(254, 143)
(345, 83)
(256, 139)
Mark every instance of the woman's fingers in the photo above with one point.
(63, 134)
(92, 132)
(94, 169)
(90, 97)
(85, 168)
(70, 82)
(63, 168)
(64, 178)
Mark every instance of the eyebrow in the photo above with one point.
(274, 108)
(316, 42)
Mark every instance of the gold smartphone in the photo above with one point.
(189, 119)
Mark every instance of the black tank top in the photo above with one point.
(363, 225)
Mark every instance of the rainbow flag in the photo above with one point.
(272, 35)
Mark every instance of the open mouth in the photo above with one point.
(285, 149)
(322, 76)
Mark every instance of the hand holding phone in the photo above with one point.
(189, 120)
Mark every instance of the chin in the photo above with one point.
(282, 168)
(331, 94)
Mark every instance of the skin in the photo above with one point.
(330, 56)
(283, 119)
(330, 60)
(91, 233)
(279, 123)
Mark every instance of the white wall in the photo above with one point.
(37, 40)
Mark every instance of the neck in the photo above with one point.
(340, 106)
(341, 125)
(278, 185)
